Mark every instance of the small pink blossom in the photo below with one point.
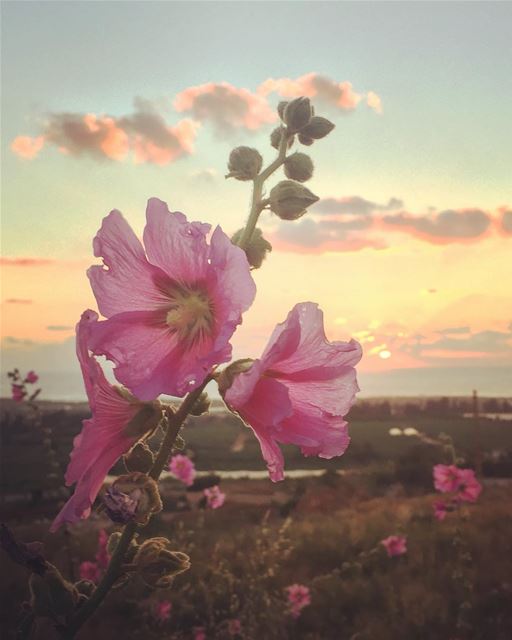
(234, 627)
(440, 510)
(395, 545)
(89, 571)
(18, 392)
(199, 633)
(214, 497)
(469, 488)
(183, 468)
(172, 306)
(446, 477)
(31, 377)
(162, 611)
(298, 597)
(299, 391)
(104, 437)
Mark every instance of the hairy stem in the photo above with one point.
(113, 571)
(257, 190)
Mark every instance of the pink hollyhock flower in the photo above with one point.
(298, 391)
(118, 421)
(395, 545)
(469, 488)
(89, 571)
(214, 497)
(31, 377)
(18, 392)
(446, 477)
(162, 611)
(440, 510)
(298, 597)
(183, 468)
(172, 309)
(234, 627)
(199, 633)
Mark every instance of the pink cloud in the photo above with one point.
(148, 151)
(374, 102)
(25, 262)
(18, 301)
(27, 147)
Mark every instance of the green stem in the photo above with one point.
(113, 571)
(257, 191)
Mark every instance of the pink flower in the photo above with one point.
(18, 392)
(395, 545)
(118, 421)
(298, 597)
(440, 510)
(214, 497)
(89, 571)
(469, 488)
(299, 391)
(162, 611)
(31, 377)
(199, 633)
(234, 627)
(446, 477)
(102, 554)
(172, 308)
(183, 468)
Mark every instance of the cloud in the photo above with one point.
(60, 327)
(25, 262)
(481, 342)
(143, 134)
(454, 330)
(311, 236)
(18, 301)
(339, 95)
(27, 147)
(355, 205)
(226, 107)
(443, 227)
(11, 341)
(506, 221)
(204, 175)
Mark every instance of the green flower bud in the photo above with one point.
(140, 458)
(139, 488)
(318, 128)
(298, 167)
(281, 107)
(289, 200)
(305, 140)
(202, 405)
(157, 564)
(244, 163)
(50, 594)
(297, 114)
(227, 376)
(256, 249)
(275, 137)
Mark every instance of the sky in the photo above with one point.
(105, 104)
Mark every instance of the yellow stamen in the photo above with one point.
(190, 314)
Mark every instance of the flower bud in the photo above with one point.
(227, 376)
(244, 163)
(157, 564)
(298, 167)
(297, 114)
(305, 140)
(50, 594)
(289, 199)
(139, 458)
(132, 497)
(275, 137)
(318, 128)
(281, 107)
(256, 249)
(201, 405)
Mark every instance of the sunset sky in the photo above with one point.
(409, 248)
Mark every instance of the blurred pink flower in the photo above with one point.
(440, 510)
(234, 626)
(31, 377)
(18, 392)
(171, 309)
(214, 497)
(299, 391)
(446, 477)
(109, 433)
(102, 554)
(395, 545)
(89, 571)
(199, 633)
(162, 610)
(298, 597)
(183, 468)
(469, 488)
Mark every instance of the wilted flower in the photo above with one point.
(183, 468)
(298, 392)
(172, 309)
(118, 421)
(157, 564)
(446, 478)
(120, 507)
(214, 497)
(298, 597)
(395, 545)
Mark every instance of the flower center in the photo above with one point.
(190, 314)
